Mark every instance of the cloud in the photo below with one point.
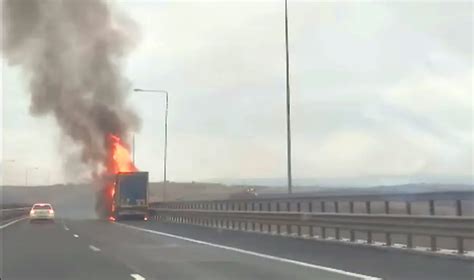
(422, 125)
(377, 89)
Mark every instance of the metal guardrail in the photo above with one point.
(460, 228)
(424, 225)
(287, 213)
(322, 203)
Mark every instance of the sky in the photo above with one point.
(378, 90)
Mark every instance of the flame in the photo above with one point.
(119, 156)
(118, 160)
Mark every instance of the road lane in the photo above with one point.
(46, 251)
(368, 261)
(161, 257)
(104, 250)
(251, 253)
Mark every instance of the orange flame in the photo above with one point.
(119, 156)
(118, 160)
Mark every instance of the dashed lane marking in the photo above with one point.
(93, 248)
(137, 276)
(76, 236)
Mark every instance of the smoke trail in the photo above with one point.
(70, 51)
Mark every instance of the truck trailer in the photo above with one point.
(130, 196)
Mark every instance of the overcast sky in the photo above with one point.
(378, 90)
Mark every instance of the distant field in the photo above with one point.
(179, 191)
(205, 191)
(192, 191)
(57, 193)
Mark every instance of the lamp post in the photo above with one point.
(166, 135)
(288, 109)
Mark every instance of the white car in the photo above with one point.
(42, 211)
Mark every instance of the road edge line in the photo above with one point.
(242, 251)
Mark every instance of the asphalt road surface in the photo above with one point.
(93, 249)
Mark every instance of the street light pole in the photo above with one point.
(166, 136)
(288, 109)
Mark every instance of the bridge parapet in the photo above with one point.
(434, 220)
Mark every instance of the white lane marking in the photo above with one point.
(137, 277)
(334, 270)
(93, 248)
(76, 236)
(12, 222)
(66, 228)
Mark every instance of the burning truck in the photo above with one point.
(124, 190)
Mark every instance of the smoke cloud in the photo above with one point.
(71, 52)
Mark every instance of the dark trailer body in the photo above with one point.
(131, 195)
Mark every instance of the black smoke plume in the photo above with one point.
(70, 52)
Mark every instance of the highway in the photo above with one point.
(94, 249)
(91, 249)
